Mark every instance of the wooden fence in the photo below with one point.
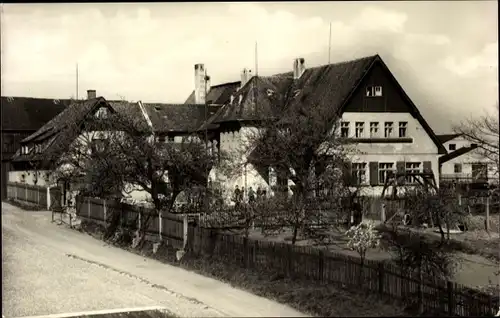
(165, 226)
(313, 263)
(301, 262)
(43, 197)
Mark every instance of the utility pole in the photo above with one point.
(76, 81)
(329, 43)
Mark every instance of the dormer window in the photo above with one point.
(374, 91)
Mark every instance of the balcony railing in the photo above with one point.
(466, 178)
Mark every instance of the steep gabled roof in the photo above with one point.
(178, 117)
(29, 114)
(456, 153)
(447, 137)
(325, 89)
(58, 135)
(218, 94)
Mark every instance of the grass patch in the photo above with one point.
(27, 206)
(319, 299)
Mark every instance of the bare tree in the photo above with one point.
(303, 147)
(484, 132)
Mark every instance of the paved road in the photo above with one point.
(50, 269)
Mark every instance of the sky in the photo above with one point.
(443, 53)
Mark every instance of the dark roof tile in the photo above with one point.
(218, 94)
(27, 113)
(447, 137)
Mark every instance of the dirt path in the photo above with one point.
(51, 269)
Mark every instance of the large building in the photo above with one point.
(376, 115)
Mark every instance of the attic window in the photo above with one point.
(270, 92)
(374, 91)
(102, 113)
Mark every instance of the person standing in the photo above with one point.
(251, 195)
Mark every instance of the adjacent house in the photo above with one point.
(22, 116)
(377, 115)
(465, 163)
(34, 160)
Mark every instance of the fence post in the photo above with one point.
(321, 265)
(185, 231)
(246, 252)
(48, 198)
(289, 259)
(38, 197)
(487, 227)
(25, 192)
(381, 278)
(451, 298)
(160, 225)
(105, 211)
(88, 208)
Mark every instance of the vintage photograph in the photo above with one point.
(250, 159)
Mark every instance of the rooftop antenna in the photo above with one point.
(256, 61)
(76, 81)
(329, 43)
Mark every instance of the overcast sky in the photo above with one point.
(444, 54)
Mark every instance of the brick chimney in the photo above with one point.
(246, 75)
(298, 67)
(91, 93)
(200, 85)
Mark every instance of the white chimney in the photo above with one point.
(91, 93)
(246, 75)
(298, 67)
(200, 85)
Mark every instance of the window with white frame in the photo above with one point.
(384, 170)
(102, 113)
(374, 91)
(373, 129)
(360, 129)
(457, 168)
(412, 167)
(359, 172)
(403, 127)
(344, 129)
(388, 129)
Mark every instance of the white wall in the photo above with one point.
(421, 149)
(30, 176)
(466, 160)
(458, 141)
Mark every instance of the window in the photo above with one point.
(360, 127)
(359, 172)
(452, 147)
(344, 129)
(98, 145)
(384, 169)
(374, 91)
(161, 138)
(479, 171)
(373, 129)
(402, 129)
(457, 168)
(171, 138)
(388, 128)
(412, 167)
(102, 113)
